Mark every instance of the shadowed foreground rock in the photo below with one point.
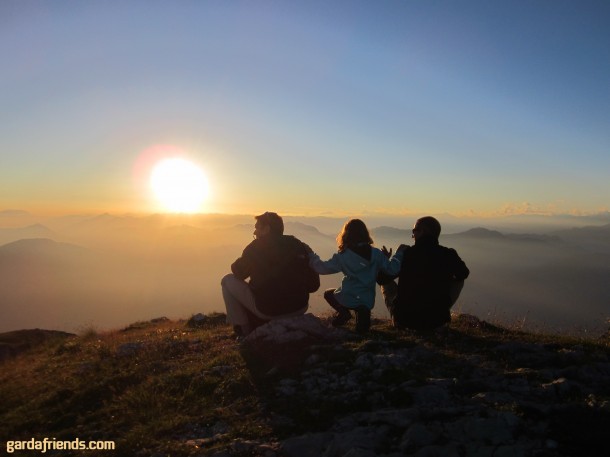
(447, 394)
(298, 388)
(284, 344)
(295, 330)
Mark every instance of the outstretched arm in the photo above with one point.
(391, 266)
(322, 267)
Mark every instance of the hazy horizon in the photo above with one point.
(108, 271)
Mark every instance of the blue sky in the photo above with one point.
(317, 107)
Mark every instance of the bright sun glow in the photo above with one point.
(179, 185)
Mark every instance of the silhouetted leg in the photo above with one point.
(343, 315)
(238, 300)
(363, 319)
(455, 290)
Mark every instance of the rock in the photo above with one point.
(450, 450)
(197, 320)
(430, 396)
(360, 453)
(309, 445)
(283, 345)
(558, 388)
(491, 430)
(418, 436)
(129, 349)
(400, 418)
(451, 406)
(294, 329)
(200, 320)
(368, 438)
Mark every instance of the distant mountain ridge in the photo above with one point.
(68, 276)
(475, 233)
(10, 234)
(41, 247)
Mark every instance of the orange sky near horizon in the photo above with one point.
(476, 110)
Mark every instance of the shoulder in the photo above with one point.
(377, 255)
(376, 252)
(293, 244)
(405, 249)
(291, 239)
(446, 250)
(253, 246)
(450, 254)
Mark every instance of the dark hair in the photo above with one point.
(354, 232)
(275, 222)
(430, 226)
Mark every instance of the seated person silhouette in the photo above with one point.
(280, 278)
(430, 280)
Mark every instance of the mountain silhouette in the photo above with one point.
(110, 269)
(8, 235)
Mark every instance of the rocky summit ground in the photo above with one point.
(299, 388)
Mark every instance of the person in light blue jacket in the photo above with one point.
(360, 262)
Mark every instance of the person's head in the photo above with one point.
(427, 227)
(354, 232)
(268, 224)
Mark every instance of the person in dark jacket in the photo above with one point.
(430, 280)
(280, 277)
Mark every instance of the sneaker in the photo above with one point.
(242, 331)
(238, 331)
(342, 317)
(363, 319)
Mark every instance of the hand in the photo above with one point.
(402, 247)
(385, 251)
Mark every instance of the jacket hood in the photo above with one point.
(353, 263)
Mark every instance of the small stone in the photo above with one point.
(129, 349)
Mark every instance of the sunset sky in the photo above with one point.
(308, 107)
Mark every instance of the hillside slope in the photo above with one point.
(299, 388)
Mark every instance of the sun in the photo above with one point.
(179, 185)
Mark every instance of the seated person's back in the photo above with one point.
(429, 281)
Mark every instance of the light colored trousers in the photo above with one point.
(239, 300)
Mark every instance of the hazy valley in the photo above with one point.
(104, 271)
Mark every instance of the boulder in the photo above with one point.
(283, 345)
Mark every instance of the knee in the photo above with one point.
(226, 279)
(228, 282)
(329, 293)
